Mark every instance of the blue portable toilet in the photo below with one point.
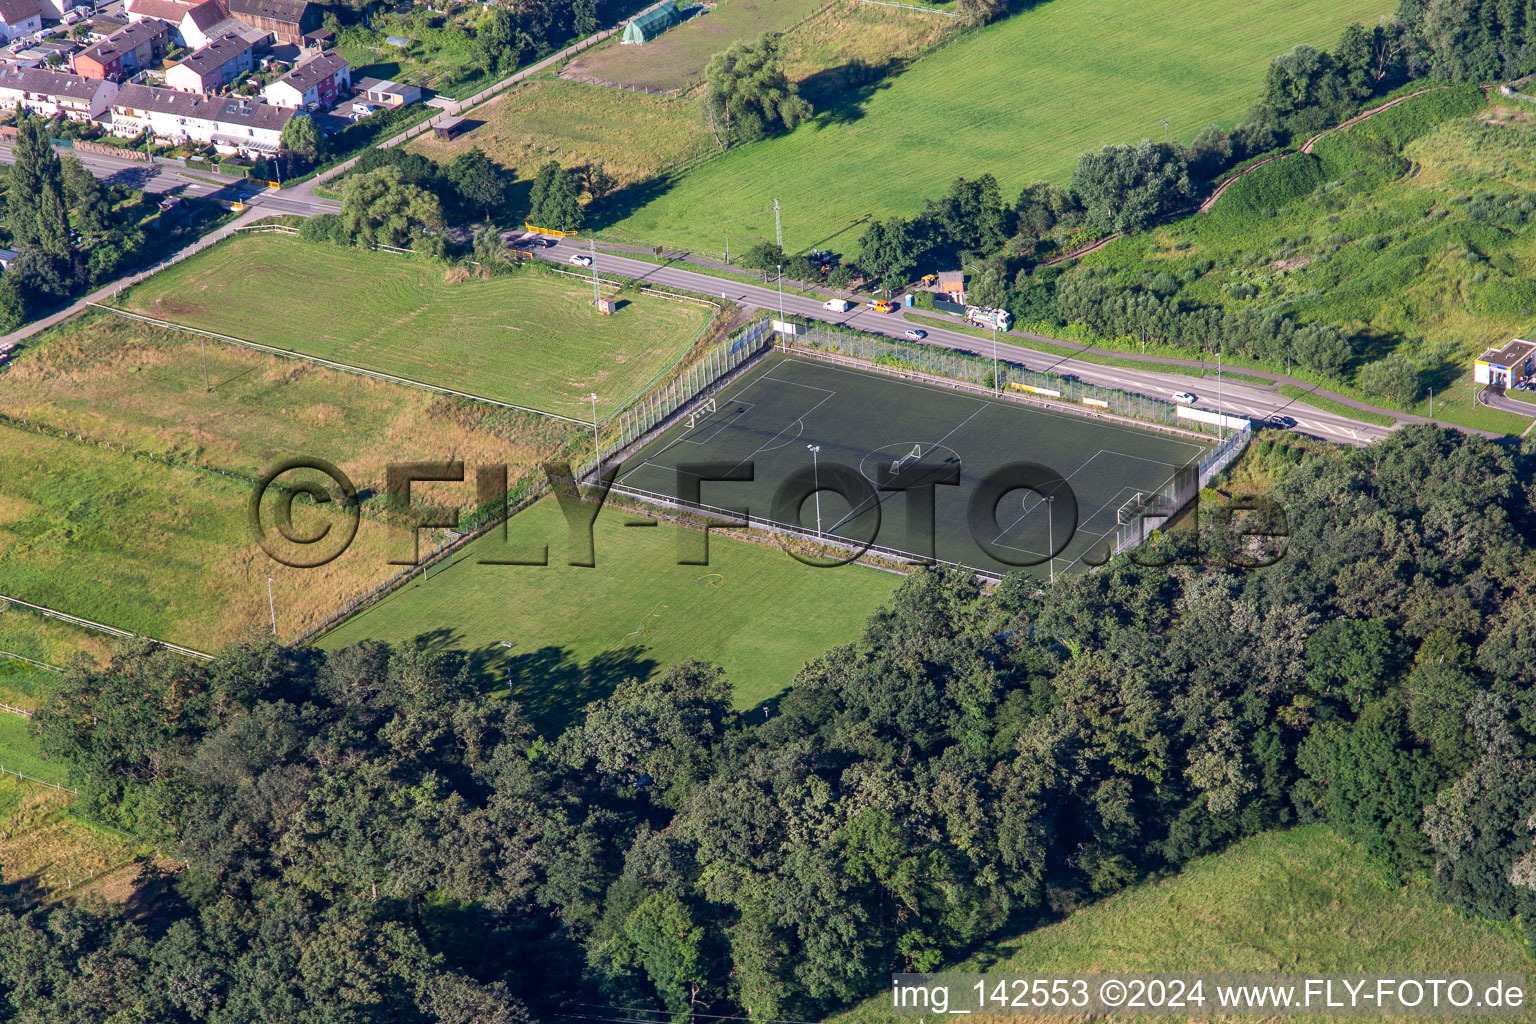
(911, 299)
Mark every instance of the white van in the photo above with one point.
(837, 305)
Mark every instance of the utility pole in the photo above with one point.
(785, 343)
(815, 450)
(1431, 403)
(592, 248)
(272, 606)
(778, 231)
(1165, 129)
(595, 445)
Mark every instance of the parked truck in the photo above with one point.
(837, 305)
(984, 316)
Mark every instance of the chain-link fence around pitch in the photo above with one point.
(1015, 380)
(654, 408)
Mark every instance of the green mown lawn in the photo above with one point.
(530, 338)
(753, 610)
(1020, 99)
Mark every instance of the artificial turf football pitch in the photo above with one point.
(1008, 484)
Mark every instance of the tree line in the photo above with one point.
(367, 836)
(69, 231)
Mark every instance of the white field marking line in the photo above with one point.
(1083, 519)
(766, 446)
(720, 422)
(854, 513)
(684, 438)
(992, 401)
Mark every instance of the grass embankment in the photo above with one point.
(1304, 900)
(1413, 231)
(1021, 99)
(753, 610)
(1036, 345)
(531, 338)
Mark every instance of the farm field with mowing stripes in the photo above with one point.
(1020, 99)
(753, 610)
(530, 338)
(860, 424)
(1304, 900)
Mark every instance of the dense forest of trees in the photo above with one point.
(365, 837)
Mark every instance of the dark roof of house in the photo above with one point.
(216, 54)
(288, 11)
(49, 83)
(314, 71)
(951, 277)
(1511, 354)
(227, 109)
(125, 41)
(13, 11)
(381, 85)
(208, 14)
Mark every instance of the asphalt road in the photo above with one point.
(1236, 399)
(162, 179)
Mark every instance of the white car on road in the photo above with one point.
(582, 261)
(1184, 398)
(916, 335)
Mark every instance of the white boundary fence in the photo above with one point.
(693, 382)
(33, 778)
(332, 365)
(104, 628)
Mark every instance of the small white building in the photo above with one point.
(55, 93)
(1505, 367)
(19, 18)
(231, 124)
(387, 94)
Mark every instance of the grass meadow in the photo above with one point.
(1299, 901)
(141, 387)
(45, 854)
(676, 58)
(840, 45)
(633, 135)
(530, 338)
(1021, 99)
(1414, 230)
(753, 610)
(165, 551)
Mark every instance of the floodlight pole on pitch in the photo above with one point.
(272, 606)
(815, 449)
(1050, 526)
(778, 231)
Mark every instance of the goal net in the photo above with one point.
(702, 412)
(914, 455)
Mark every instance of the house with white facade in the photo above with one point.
(231, 124)
(55, 93)
(318, 82)
(19, 18)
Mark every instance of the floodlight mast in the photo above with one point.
(596, 445)
(815, 449)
